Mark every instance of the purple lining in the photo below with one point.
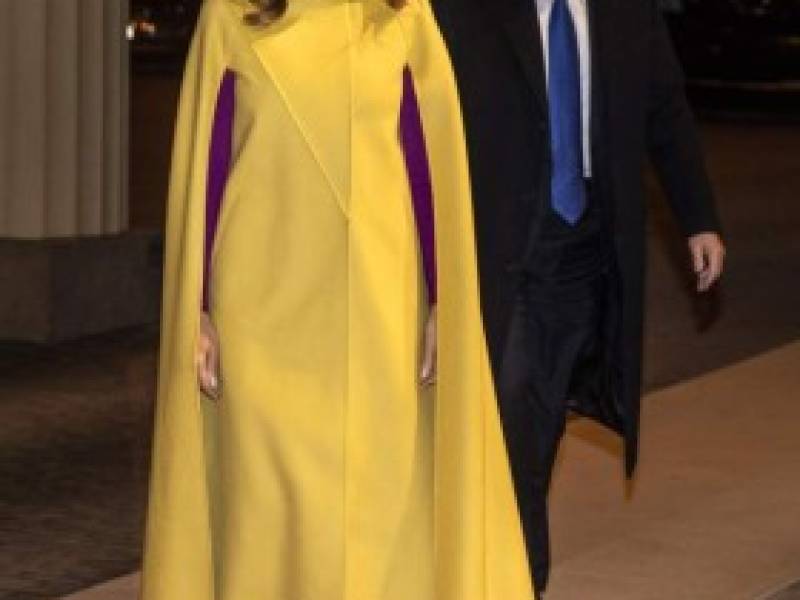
(413, 138)
(416, 157)
(219, 164)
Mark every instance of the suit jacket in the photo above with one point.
(638, 109)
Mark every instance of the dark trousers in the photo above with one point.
(554, 342)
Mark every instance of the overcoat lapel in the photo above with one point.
(293, 53)
(601, 76)
(522, 25)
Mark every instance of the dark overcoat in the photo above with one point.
(639, 109)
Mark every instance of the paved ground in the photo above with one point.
(74, 420)
(701, 522)
(74, 438)
(790, 593)
(713, 514)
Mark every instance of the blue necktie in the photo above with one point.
(567, 187)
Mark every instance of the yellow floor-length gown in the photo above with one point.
(325, 473)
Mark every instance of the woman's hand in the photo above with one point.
(428, 368)
(207, 358)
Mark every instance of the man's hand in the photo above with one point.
(708, 256)
(207, 358)
(427, 374)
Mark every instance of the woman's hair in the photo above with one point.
(268, 11)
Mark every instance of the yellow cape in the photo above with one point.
(324, 473)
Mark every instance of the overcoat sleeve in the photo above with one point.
(672, 136)
(480, 551)
(178, 561)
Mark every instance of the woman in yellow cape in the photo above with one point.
(325, 471)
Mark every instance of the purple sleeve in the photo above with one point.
(219, 163)
(416, 156)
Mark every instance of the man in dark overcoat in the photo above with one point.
(563, 102)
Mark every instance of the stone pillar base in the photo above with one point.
(55, 290)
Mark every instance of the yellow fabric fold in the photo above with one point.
(480, 549)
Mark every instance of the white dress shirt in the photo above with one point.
(580, 16)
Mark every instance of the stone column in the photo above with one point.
(67, 266)
(63, 118)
